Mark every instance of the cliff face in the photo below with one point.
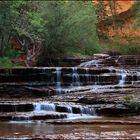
(124, 26)
(122, 5)
(124, 23)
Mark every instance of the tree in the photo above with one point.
(136, 11)
(70, 25)
(101, 10)
(107, 12)
(5, 24)
(62, 26)
(20, 19)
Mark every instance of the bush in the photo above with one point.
(132, 101)
(128, 98)
(70, 29)
(129, 46)
(5, 62)
(134, 104)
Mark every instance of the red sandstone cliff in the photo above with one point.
(125, 19)
(123, 5)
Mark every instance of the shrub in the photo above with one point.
(132, 101)
(128, 98)
(5, 62)
(134, 104)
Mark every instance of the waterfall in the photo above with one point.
(90, 63)
(82, 112)
(50, 107)
(57, 110)
(58, 80)
(69, 109)
(87, 75)
(43, 106)
(97, 79)
(123, 77)
(86, 110)
(75, 77)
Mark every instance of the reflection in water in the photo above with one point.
(42, 128)
(31, 128)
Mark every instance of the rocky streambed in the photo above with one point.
(98, 99)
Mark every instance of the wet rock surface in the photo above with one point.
(72, 102)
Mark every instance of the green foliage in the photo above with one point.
(107, 10)
(5, 62)
(28, 17)
(70, 24)
(134, 104)
(6, 23)
(128, 98)
(19, 17)
(136, 10)
(65, 27)
(131, 99)
(130, 47)
(12, 53)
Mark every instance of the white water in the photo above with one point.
(123, 77)
(87, 75)
(90, 63)
(80, 116)
(75, 77)
(85, 110)
(58, 80)
(44, 106)
(69, 109)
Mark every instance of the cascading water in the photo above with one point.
(91, 63)
(43, 106)
(87, 75)
(58, 80)
(85, 110)
(96, 79)
(69, 109)
(123, 77)
(72, 111)
(75, 77)
(138, 73)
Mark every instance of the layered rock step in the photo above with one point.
(31, 116)
(98, 60)
(66, 76)
(125, 61)
(58, 80)
(42, 110)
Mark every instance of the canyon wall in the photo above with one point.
(123, 24)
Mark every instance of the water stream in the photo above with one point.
(43, 106)
(123, 74)
(71, 110)
(88, 77)
(25, 130)
(92, 63)
(75, 77)
(58, 80)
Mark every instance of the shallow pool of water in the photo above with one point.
(40, 128)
